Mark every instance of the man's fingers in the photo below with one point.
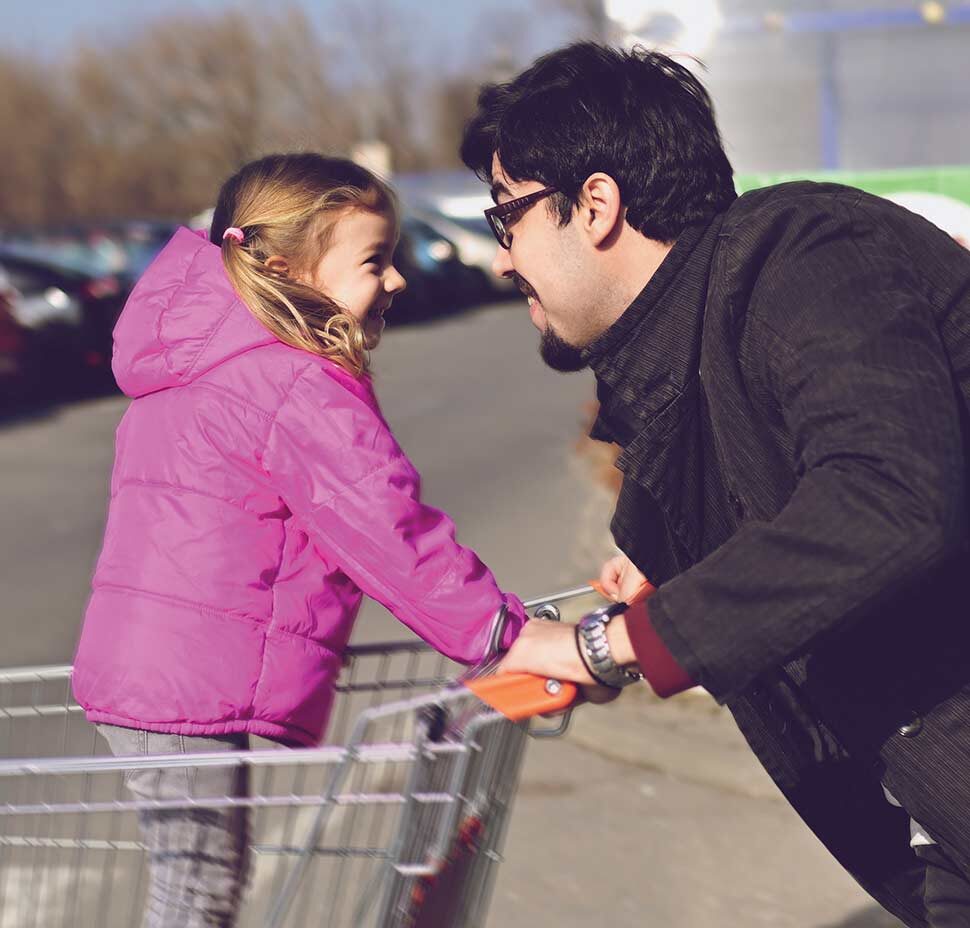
(631, 583)
(610, 577)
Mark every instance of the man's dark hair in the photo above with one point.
(638, 116)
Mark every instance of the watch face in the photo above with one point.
(592, 619)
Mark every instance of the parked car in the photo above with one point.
(65, 316)
(459, 219)
(12, 340)
(438, 282)
(142, 241)
(120, 248)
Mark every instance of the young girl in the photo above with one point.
(257, 492)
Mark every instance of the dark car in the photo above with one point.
(65, 316)
(12, 341)
(438, 283)
(142, 240)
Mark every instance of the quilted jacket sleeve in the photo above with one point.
(339, 468)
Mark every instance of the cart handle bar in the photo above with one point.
(520, 696)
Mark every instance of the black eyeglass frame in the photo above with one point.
(496, 215)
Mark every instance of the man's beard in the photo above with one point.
(559, 354)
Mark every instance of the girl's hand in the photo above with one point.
(548, 649)
(621, 581)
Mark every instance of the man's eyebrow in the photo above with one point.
(497, 188)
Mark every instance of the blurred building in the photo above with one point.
(852, 84)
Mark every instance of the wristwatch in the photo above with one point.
(594, 648)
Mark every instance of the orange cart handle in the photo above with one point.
(646, 589)
(521, 696)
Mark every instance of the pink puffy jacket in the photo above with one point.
(256, 491)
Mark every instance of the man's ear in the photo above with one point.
(600, 210)
(278, 263)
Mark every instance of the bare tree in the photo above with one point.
(308, 111)
(150, 122)
(452, 102)
(36, 127)
(171, 108)
(379, 41)
(171, 112)
(497, 49)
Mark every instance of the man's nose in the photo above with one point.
(502, 263)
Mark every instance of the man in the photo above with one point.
(786, 375)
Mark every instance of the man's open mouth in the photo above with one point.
(525, 289)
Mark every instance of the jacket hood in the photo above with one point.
(182, 319)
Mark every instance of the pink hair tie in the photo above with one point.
(237, 235)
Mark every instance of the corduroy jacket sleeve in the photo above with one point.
(840, 333)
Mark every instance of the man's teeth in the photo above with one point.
(531, 300)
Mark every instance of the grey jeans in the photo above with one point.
(198, 858)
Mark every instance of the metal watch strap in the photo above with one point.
(591, 636)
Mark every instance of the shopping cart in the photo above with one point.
(397, 821)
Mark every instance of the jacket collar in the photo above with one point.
(647, 357)
(648, 386)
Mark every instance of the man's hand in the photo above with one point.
(548, 649)
(622, 582)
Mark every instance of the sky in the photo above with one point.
(49, 29)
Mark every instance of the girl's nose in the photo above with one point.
(393, 281)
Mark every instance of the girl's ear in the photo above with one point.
(278, 263)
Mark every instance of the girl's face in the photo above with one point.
(356, 270)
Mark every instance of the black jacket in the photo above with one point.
(790, 394)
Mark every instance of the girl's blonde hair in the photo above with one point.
(287, 205)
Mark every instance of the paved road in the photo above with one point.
(605, 831)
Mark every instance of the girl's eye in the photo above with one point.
(373, 259)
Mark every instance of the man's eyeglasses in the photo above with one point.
(501, 217)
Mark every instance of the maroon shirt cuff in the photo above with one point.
(657, 664)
